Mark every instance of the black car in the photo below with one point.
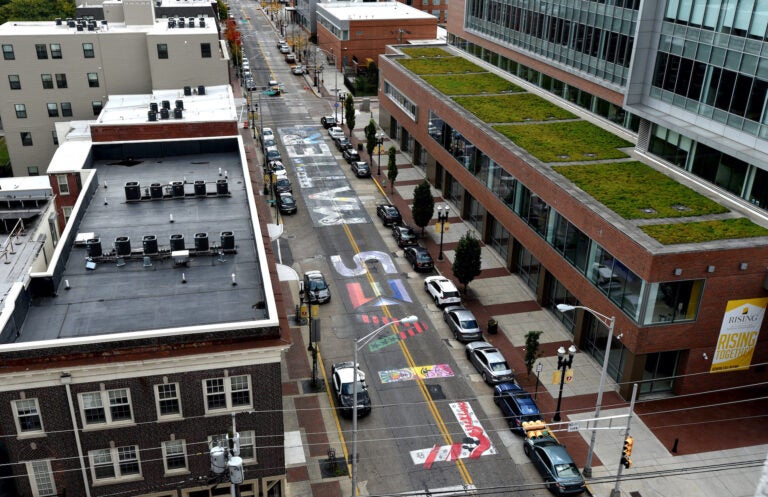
(389, 214)
(403, 235)
(361, 169)
(286, 203)
(328, 121)
(342, 143)
(283, 185)
(350, 155)
(516, 404)
(419, 258)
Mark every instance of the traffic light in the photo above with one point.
(534, 428)
(626, 452)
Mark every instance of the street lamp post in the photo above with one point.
(379, 142)
(609, 322)
(341, 106)
(442, 217)
(359, 343)
(563, 364)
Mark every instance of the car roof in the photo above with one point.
(461, 312)
(557, 454)
(313, 274)
(480, 345)
(346, 372)
(441, 281)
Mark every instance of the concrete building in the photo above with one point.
(138, 333)
(67, 69)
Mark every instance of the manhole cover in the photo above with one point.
(436, 392)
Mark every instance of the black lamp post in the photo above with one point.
(442, 217)
(379, 142)
(341, 106)
(563, 364)
(305, 292)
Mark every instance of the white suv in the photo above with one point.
(442, 290)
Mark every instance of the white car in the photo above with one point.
(335, 131)
(442, 290)
(267, 134)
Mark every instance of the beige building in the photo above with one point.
(66, 70)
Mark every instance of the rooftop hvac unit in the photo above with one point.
(178, 189)
(91, 27)
(93, 246)
(149, 243)
(222, 186)
(166, 104)
(132, 191)
(104, 22)
(201, 90)
(152, 116)
(58, 21)
(79, 27)
(202, 22)
(199, 187)
(171, 22)
(191, 22)
(177, 242)
(71, 23)
(227, 241)
(187, 91)
(181, 22)
(153, 106)
(164, 114)
(122, 246)
(178, 113)
(180, 103)
(156, 191)
(201, 242)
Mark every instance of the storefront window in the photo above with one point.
(673, 301)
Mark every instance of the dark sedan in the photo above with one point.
(389, 214)
(286, 203)
(342, 143)
(419, 258)
(555, 465)
(403, 235)
(350, 155)
(361, 169)
(282, 185)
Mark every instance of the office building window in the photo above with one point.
(55, 50)
(21, 111)
(205, 50)
(66, 109)
(26, 138)
(227, 393)
(41, 478)
(47, 81)
(63, 183)
(8, 53)
(14, 81)
(162, 50)
(106, 406)
(42, 50)
(55, 137)
(27, 416)
(61, 80)
(115, 463)
(93, 80)
(53, 110)
(167, 400)
(97, 106)
(88, 50)
(174, 455)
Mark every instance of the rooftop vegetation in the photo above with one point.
(513, 108)
(704, 231)
(441, 65)
(471, 84)
(427, 52)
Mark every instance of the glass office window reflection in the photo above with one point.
(673, 301)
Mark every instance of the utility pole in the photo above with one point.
(625, 461)
(227, 459)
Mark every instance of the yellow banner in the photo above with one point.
(738, 335)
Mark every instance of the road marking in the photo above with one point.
(423, 372)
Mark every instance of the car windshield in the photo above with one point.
(469, 324)
(288, 201)
(499, 366)
(317, 285)
(450, 294)
(346, 389)
(567, 470)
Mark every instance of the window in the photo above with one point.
(162, 50)
(53, 110)
(66, 109)
(97, 105)
(66, 212)
(115, 463)
(14, 81)
(26, 138)
(227, 393)
(33, 171)
(92, 404)
(168, 401)
(27, 416)
(55, 137)
(42, 50)
(41, 478)
(21, 111)
(61, 80)
(55, 50)
(174, 455)
(247, 451)
(63, 184)
(205, 50)
(47, 81)
(93, 80)
(8, 53)
(88, 50)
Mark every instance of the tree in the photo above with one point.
(466, 263)
(349, 112)
(370, 139)
(423, 207)
(531, 349)
(36, 10)
(392, 168)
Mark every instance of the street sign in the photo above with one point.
(539, 367)
(336, 105)
(569, 376)
(574, 426)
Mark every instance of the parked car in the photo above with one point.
(403, 235)
(250, 84)
(462, 323)
(516, 404)
(328, 121)
(389, 214)
(489, 362)
(298, 70)
(280, 43)
(555, 465)
(277, 168)
(269, 142)
(315, 284)
(361, 169)
(335, 131)
(343, 384)
(442, 290)
(290, 58)
(273, 154)
(342, 143)
(283, 185)
(267, 134)
(286, 203)
(350, 155)
(284, 49)
(419, 258)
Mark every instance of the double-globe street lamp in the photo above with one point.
(360, 343)
(442, 217)
(609, 322)
(379, 143)
(563, 365)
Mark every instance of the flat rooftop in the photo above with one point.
(115, 295)
(160, 26)
(372, 11)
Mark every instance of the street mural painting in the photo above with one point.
(361, 260)
(405, 330)
(475, 444)
(423, 372)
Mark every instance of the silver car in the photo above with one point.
(462, 323)
(489, 362)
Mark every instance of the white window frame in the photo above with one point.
(17, 414)
(106, 405)
(227, 384)
(40, 474)
(247, 444)
(170, 448)
(177, 397)
(67, 213)
(114, 460)
(61, 180)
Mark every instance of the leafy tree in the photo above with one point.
(531, 349)
(370, 139)
(36, 10)
(349, 112)
(392, 168)
(466, 263)
(423, 207)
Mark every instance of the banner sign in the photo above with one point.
(738, 335)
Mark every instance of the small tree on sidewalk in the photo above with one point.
(349, 112)
(531, 349)
(423, 207)
(392, 168)
(466, 263)
(370, 139)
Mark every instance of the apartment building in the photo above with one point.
(66, 69)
